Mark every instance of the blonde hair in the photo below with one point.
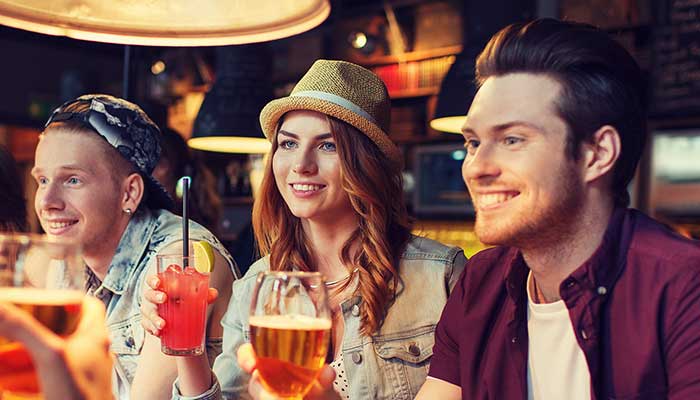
(120, 167)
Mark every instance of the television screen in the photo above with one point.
(439, 188)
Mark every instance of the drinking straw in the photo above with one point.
(185, 220)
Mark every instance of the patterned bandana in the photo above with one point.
(128, 129)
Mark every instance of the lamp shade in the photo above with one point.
(480, 21)
(456, 94)
(166, 22)
(228, 120)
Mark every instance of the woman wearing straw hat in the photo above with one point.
(331, 201)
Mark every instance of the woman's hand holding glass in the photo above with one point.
(290, 328)
(322, 388)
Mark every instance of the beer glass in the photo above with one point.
(290, 327)
(47, 280)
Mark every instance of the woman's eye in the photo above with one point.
(328, 146)
(287, 144)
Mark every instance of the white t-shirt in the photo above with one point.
(556, 365)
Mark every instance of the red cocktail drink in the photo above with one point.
(184, 311)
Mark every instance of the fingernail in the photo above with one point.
(160, 296)
(159, 324)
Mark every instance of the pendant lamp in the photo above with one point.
(456, 93)
(228, 120)
(480, 21)
(166, 22)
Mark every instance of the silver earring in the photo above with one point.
(128, 211)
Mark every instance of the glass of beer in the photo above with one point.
(47, 280)
(290, 327)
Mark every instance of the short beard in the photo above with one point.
(542, 226)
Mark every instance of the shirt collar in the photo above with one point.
(516, 276)
(132, 246)
(603, 268)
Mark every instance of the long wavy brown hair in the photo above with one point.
(374, 186)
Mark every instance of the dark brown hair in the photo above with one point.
(13, 207)
(601, 84)
(205, 203)
(374, 186)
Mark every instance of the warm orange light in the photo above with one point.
(158, 67)
(166, 22)
(358, 40)
(231, 144)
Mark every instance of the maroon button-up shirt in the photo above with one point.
(634, 307)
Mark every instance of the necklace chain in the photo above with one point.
(341, 280)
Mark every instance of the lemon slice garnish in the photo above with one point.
(203, 257)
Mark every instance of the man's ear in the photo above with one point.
(600, 153)
(132, 191)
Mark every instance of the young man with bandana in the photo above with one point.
(93, 168)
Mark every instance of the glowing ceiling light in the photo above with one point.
(166, 22)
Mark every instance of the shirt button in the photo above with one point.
(130, 341)
(602, 290)
(414, 349)
(570, 283)
(356, 358)
(584, 335)
(514, 339)
(355, 310)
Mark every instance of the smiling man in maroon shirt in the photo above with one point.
(583, 298)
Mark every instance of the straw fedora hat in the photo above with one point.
(342, 90)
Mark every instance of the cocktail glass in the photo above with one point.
(184, 310)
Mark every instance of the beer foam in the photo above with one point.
(49, 297)
(295, 321)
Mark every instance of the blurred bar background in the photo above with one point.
(424, 51)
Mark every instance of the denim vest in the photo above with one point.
(391, 364)
(148, 232)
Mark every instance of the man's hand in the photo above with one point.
(152, 296)
(322, 389)
(76, 367)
